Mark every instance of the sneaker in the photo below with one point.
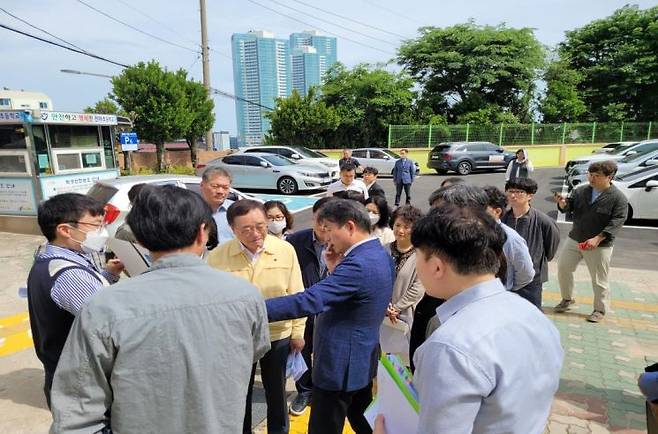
(596, 316)
(299, 404)
(563, 306)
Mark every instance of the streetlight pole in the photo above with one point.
(206, 65)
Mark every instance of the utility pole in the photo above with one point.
(206, 64)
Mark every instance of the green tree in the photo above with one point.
(301, 121)
(466, 68)
(106, 107)
(562, 102)
(159, 101)
(616, 57)
(200, 105)
(367, 99)
(487, 116)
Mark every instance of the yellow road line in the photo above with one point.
(16, 342)
(20, 318)
(299, 424)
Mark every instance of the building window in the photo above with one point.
(43, 105)
(5, 102)
(73, 136)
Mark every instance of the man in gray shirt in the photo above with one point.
(171, 350)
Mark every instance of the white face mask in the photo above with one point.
(374, 218)
(95, 241)
(277, 227)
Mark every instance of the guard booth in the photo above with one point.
(45, 153)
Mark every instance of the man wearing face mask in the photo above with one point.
(63, 275)
(170, 350)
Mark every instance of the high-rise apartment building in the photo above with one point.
(265, 68)
(261, 73)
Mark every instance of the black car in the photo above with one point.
(465, 157)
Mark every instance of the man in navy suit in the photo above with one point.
(309, 245)
(350, 304)
(404, 173)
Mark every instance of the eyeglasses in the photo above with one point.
(96, 225)
(278, 218)
(515, 192)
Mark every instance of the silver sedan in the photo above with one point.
(270, 171)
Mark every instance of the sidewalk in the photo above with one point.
(598, 391)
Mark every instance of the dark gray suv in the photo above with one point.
(465, 157)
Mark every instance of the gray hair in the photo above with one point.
(340, 211)
(214, 171)
(462, 195)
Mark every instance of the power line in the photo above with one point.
(352, 20)
(319, 28)
(396, 13)
(86, 53)
(75, 50)
(340, 26)
(135, 28)
(40, 29)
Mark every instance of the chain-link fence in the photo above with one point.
(427, 136)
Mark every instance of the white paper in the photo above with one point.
(135, 258)
(394, 338)
(399, 415)
(371, 412)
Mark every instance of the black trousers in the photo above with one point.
(425, 310)
(398, 193)
(330, 408)
(305, 384)
(273, 374)
(532, 292)
(48, 385)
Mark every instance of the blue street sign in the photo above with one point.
(129, 141)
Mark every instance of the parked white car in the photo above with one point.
(628, 164)
(641, 190)
(300, 154)
(381, 159)
(645, 146)
(270, 171)
(113, 193)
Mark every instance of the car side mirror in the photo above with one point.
(652, 162)
(265, 164)
(500, 150)
(386, 157)
(630, 153)
(296, 156)
(651, 185)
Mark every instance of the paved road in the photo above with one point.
(635, 248)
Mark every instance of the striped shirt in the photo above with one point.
(74, 286)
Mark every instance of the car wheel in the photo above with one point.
(287, 185)
(464, 168)
(441, 171)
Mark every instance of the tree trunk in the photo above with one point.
(193, 156)
(159, 151)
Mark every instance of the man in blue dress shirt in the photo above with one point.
(493, 364)
(350, 304)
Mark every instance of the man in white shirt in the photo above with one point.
(347, 182)
(215, 187)
(493, 365)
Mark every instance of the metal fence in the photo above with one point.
(427, 136)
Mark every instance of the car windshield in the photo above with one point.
(278, 160)
(635, 157)
(622, 148)
(637, 173)
(308, 153)
(391, 153)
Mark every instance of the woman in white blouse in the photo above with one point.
(379, 213)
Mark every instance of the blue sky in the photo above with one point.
(31, 65)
